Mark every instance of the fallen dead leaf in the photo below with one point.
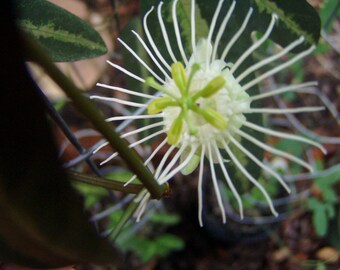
(281, 254)
(328, 254)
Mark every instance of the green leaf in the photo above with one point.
(333, 234)
(122, 175)
(183, 14)
(92, 194)
(331, 178)
(329, 194)
(170, 241)
(58, 105)
(165, 218)
(321, 266)
(294, 147)
(329, 12)
(330, 211)
(184, 9)
(148, 252)
(314, 204)
(65, 36)
(320, 222)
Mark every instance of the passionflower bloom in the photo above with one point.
(201, 105)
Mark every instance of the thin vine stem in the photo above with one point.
(105, 183)
(132, 207)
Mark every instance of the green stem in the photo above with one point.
(125, 217)
(105, 183)
(36, 53)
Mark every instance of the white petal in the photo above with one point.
(237, 34)
(152, 56)
(250, 178)
(120, 101)
(141, 61)
(151, 41)
(200, 187)
(216, 187)
(177, 32)
(260, 164)
(284, 135)
(269, 59)
(164, 33)
(134, 117)
(179, 167)
(212, 26)
(222, 29)
(130, 74)
(193, 25)
(284, 111)
(278, 68)
(164, 159)
(229, 181)
(274, 150)
(285, 89)
(255, 45)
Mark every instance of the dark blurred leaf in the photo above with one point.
(320, 220)
(165, 218)
(42, 220)
(65, 36)
(297, 18)
(170, 242)
(333, 234)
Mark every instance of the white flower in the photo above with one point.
(201, 105)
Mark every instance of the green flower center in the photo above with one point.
(187, 102)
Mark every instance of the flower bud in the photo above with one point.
(214, 118)
(159, 104)
(211, 88)
(175, 131)
(178, 74)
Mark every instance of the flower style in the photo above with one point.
(201, 105)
